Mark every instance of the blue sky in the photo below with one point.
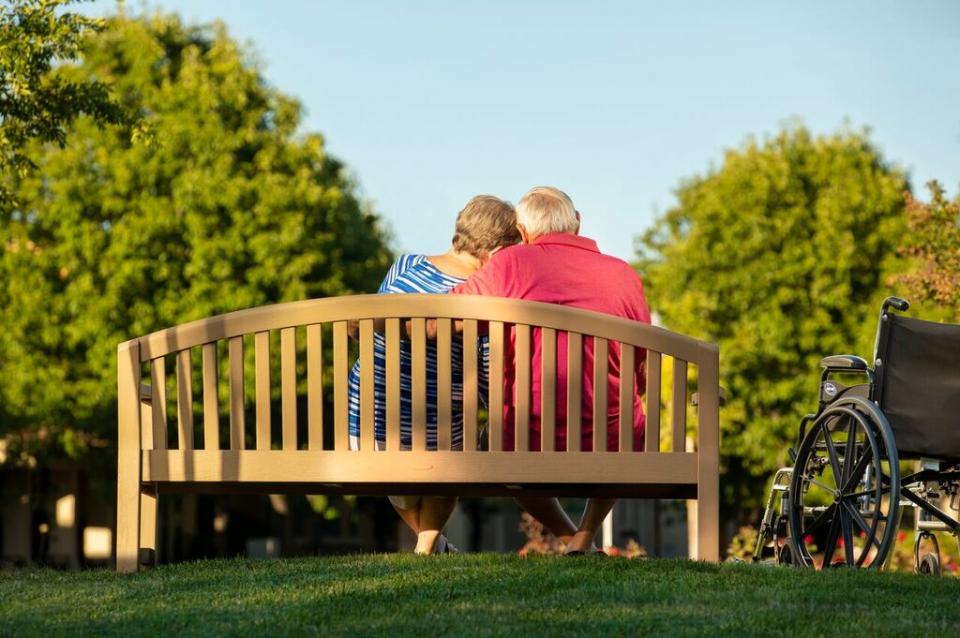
(430, 103)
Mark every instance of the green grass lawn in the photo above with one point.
(480, 594)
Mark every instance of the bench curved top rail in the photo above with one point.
(467, 307)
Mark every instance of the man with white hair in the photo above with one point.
(556, 265)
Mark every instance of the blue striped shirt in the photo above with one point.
(414, 274)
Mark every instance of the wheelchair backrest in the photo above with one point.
(918, 384)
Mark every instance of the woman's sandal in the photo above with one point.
(444, 546)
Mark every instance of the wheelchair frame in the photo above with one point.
(861, 486)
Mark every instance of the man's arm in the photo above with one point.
(640, 373)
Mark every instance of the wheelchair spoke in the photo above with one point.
(831, 544)
(862, 524)
(849, 452)
(847, 535)
(824, 516)
(814, 481)
(857, 471)
(832, 454)
(872, 492)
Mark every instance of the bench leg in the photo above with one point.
(128, 516)
(708, 457)
(708, 523)
(148, 528)
(128, 456)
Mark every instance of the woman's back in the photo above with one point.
(412, 274)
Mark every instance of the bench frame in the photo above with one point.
(147, 466)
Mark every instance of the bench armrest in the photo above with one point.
(695, 398)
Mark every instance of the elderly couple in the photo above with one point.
(532, 252)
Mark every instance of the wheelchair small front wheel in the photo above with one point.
(929, 564)
(840, 510)
(785, 555)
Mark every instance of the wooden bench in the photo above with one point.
(309, 452)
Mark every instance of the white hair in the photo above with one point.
(544, 210)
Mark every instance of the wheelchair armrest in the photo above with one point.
(844, 363)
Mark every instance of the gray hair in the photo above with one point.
(544, 210)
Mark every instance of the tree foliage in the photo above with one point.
(229, 208)
(933, 243)
(37, 100)
(778, 256)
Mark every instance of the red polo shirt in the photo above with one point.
(568, 270)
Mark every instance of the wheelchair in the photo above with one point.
(841, 502)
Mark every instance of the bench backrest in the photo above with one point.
(207, 357)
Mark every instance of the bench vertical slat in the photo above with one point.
(211, 405)
(237, 415)
(418, 385)
(444, 389)
(393, 384)
(366, 385)
(522, 388)
(288, 387)
(574, 390)
(600, 347)
(495, 404)
(261, 342)
(184, 400)
(341, 368)
(651, 442)
(158, 402)
(470, 382)
(626, 397)
(548, 389)
(146, 417)
(315, 386)
(678, 407)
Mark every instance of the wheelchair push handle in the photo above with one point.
(898, 304)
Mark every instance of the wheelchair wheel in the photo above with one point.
(785, 555)
(841, 511)
(929, 564)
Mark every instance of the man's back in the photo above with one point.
(568, 270)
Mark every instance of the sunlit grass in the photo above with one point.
(480, 594)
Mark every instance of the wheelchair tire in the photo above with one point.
(840, 510)
(785, 556)
(929, 564)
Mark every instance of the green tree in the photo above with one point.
(37, 100)
(933, 245)
(778, 256)
(229, 208)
